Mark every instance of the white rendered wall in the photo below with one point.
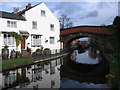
(43, 27)
(4, 28)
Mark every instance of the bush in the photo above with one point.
(47, 51)
(38, 50)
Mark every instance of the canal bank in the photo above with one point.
(114, 75)
(113, 58)
(23, 62)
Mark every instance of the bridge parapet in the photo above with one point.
(70, 34)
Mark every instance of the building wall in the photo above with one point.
(4, 28)
(43, 27)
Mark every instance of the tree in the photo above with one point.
(18, 38)
(65, 22)
(115, 39)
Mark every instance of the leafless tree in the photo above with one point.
(65, 22)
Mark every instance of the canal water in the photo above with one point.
(55, 73)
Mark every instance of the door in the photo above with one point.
(23, 44)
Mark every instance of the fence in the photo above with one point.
(50, 53)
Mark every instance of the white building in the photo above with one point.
(36, 24)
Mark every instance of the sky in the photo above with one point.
(81, 12)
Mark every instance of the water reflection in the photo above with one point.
(42, 75)
(86, 56)
(60, 73)
(75, 84)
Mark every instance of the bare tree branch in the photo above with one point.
(65, 22)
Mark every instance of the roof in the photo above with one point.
(24, 33)
(16, 16)
(23, 11)
(9, 15)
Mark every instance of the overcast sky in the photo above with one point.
(81, 13)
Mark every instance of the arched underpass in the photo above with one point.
(95, 32)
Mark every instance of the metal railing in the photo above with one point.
(50, 53)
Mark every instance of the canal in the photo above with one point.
(84, 68)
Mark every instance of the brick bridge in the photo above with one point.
(98, 33)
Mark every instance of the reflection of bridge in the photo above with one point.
(85, 72)
(70, 34)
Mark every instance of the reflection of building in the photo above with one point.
(52, 70)
(34, 76)
(38, 74)
(9, 79)
(14, 78)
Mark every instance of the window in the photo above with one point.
(52, 27)
(8, 39)
(35, 40)
(11, 23)
(52, 40)
(34, 25)
(42, 13)
(8, 23)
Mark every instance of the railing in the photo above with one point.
(50, 53)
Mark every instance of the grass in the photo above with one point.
(114, 63)
(114, 70)
(15, 63)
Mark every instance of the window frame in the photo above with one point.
(8, 39)
(43, 13)
(52, 27)
(35, 40)
(34, 26)
(52, 41)
(12, 24)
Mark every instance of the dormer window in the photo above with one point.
(43, 13)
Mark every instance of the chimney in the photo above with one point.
(28, 6)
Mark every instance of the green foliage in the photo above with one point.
(116, 20)
(115, 30)
(12, 63)
(5, 47)
(18, 38)
(38, 50)
(114, 69)
(46, 49)
(115, 56)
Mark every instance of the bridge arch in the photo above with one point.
(94, 32)
(70, 38)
